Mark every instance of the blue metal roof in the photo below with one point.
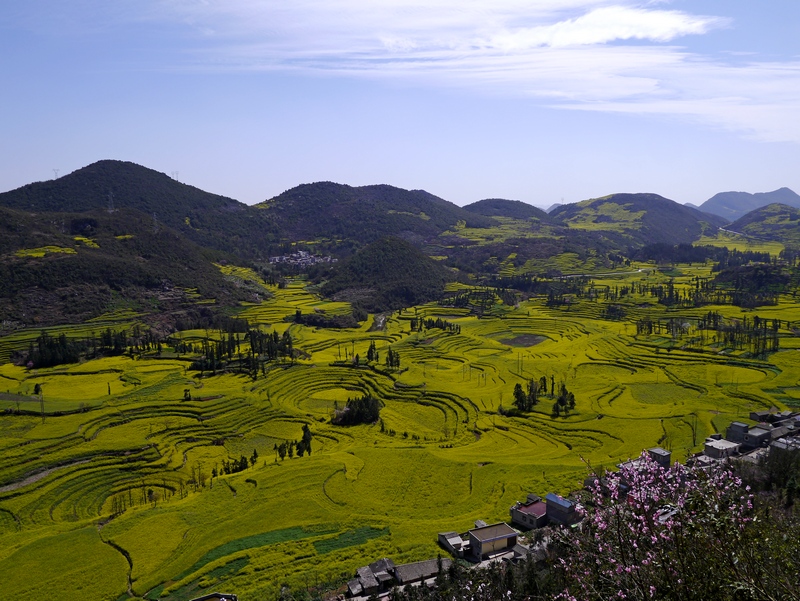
(554, 498)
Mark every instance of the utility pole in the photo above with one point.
(55, 172)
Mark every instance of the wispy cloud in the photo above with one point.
(601, 55)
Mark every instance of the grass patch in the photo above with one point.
(351, 538)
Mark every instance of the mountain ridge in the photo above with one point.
(734, 205)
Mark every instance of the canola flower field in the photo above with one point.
(106, 480)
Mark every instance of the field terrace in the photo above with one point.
(441, 456)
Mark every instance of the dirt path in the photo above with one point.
(38, 476)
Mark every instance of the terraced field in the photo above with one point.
(107, 488)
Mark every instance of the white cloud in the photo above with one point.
(601, 55)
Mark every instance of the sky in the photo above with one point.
(543, 101)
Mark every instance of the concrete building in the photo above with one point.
(661, 456)
(531, 514)
(491, 540)
(420, 570)
(720, 448)
(560, 510)
(736, 432)
(452, 543)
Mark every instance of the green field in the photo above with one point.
(118, 432)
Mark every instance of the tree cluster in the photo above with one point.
(234, 466)
(362, 410)
(392, 359)
(565, 402)
(419, 324)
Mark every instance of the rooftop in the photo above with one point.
(539, 508)
(721, 444)
(420, 570)
(493, 532)
(560, 501)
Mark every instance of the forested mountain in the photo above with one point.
(388, 274)
(733, 205)
(775, 221)
(366, 213)
(65, 267)
(500, 207)
(639, 218)
(115, 230)
(207, 219)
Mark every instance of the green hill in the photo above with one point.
(363, 214)
(776, 221)
(638, 218)
(207, 219)
(67, 267)
(500, 207)
(733, 205)
(388, 274)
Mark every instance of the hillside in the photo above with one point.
(207, 219)
(388, 274)
(638, 218)
(733, 205)
(363, 214)
(499, 207)
(67, 267)
(778, 222)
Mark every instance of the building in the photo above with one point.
(491, 540)
(531, 514)
(736, 432)
(452, 543)
(217, 597)
(661, 456)
(560, 510)
(759, 416)
(757, 437)
(382, 575)
(419, 571)
(720, 448)
(784, 445)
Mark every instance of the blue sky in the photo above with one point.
(535, 100)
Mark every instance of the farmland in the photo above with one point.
(107, 488)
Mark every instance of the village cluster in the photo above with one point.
(302, 258)
(773, 432)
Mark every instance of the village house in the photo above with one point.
(382, 575)
(419, 571)
(747, 437)
(453, 543)
(531, 514)
(561, 511)
(491, 540)
(719, 448)
(661, 456)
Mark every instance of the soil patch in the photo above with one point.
(523, 340)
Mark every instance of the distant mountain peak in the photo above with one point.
(733, 205)
(500, 207)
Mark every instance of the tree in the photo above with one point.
(533, 393)
(307, 436)
(679, 533)
(520, 398)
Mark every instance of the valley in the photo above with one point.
(150, 438)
